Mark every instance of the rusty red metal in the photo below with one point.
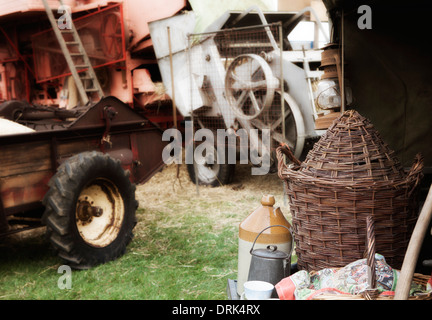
(118, 30)
(126, 124)
(46, 47)
(30, 160)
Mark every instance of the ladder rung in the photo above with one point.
(68, 39)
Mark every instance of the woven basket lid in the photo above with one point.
(352, 150)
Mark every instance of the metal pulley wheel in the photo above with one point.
(250, 85)
(111, 35)
(273, 119)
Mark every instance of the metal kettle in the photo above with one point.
(269, 264)
(262, 217)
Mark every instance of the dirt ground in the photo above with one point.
(175, 195)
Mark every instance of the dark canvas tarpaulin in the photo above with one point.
(388, 68)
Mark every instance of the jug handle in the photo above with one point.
(276, 225)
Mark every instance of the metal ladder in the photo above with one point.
(76, 57)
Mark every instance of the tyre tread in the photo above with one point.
(58, 200)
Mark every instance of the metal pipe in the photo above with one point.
(172, 79)
(310, 93)
(191, 36)
(342, 65)
(282, 82)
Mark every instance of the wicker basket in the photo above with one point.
(373, 293)
(349, 174)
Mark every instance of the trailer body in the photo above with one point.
(29, 160)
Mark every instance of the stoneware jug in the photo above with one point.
(263, 216)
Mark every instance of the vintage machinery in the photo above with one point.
(61, 70)
(84, 169)
(38, 62)
(78, 133)
(240, 74)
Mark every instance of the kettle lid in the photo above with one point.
(270, 252)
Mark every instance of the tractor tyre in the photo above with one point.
(220, 177)
(90, 210)
(212, 174)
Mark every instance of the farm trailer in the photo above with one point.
(81, 175)
(86, 121)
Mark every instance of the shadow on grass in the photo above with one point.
(25, 248)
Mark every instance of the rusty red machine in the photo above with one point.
(80, 93)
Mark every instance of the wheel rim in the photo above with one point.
(294, 124)
(99, 213)
(207, 173)
(275, 123)
(208, 168)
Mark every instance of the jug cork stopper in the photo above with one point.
(268, 200)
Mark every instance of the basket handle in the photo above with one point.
(372, 292)
(284, 149)
(416, 172)
(370, 250)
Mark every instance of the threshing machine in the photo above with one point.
(242, 76)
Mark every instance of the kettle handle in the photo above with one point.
(275, 225)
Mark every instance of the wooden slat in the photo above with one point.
(323, 122)
(24, 188)
(69, 148)
(24, 158)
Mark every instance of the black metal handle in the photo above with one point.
(276, 225)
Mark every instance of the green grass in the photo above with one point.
(164, 263)
(185, 247)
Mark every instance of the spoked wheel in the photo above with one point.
(210, 171)
(272, 119)
(249, 86)
(111, 33)
(90, 210)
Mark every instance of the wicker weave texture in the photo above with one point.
(350, 174)
(352, 150)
